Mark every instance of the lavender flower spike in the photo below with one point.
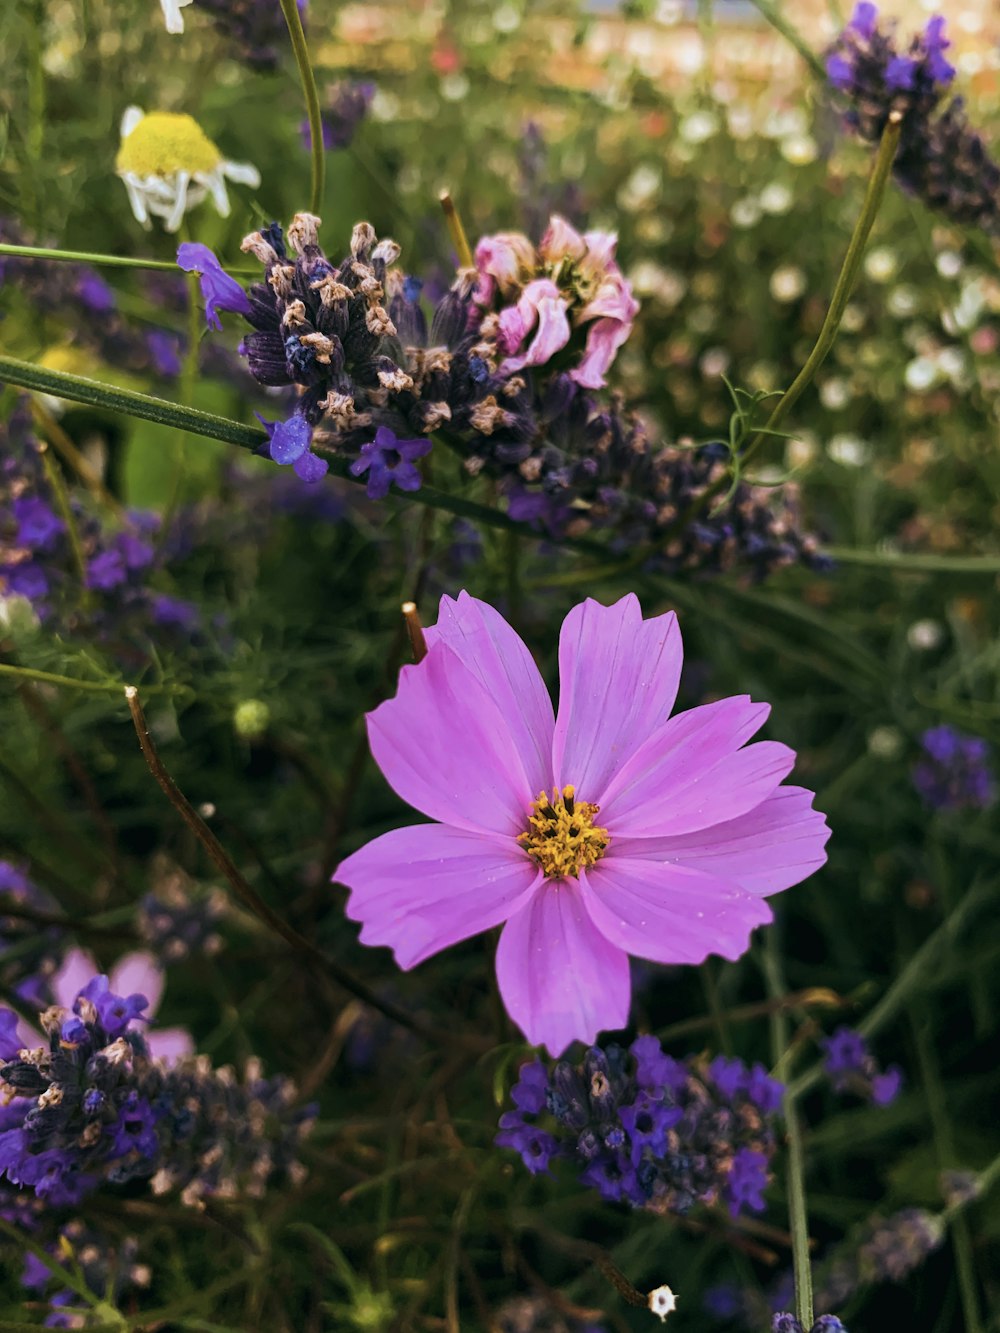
(219, 290)
(608, 830)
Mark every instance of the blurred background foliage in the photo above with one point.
(702, 138)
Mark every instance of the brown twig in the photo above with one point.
(415, 630)
(249, 896)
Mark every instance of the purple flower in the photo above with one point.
(289, 443)
(10, 1043)
(955, 772)
(219, 290)
(528, 1093)
(106, 570)
(26, 581)
(176, 612)
(388, 460)
(37, 525)
(846, 1054)
(535, 1145)
(886, 1086)
(852, 1068)
(729, 1076)
(694, 831)
(747, 1181)
(164, 349)
(95, 293)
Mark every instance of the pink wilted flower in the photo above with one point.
(571, 282)
(608, 829)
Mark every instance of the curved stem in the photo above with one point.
(844, 287)
(114, 687)
(290, 10)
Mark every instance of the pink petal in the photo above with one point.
(561, 240)
(540, 301)
(446, 748)
(487, 645)
(77, 968)
(603, 341)
(170, 1044)
(560, 978)
(618, 679)
(669, 913)
(138, 973)
(770, 848)
(418, 890)
(679, 774)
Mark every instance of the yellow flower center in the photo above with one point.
(562, 836)
(164, 142)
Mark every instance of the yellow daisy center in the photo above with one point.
(164, 142)
(562, 836)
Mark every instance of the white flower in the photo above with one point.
(172, 15)
(662, 1302)
(169, 165)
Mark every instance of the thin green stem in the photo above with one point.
(791, 35)
(914, 976)
(114, 687)
(798, 1221)
(78, 389)
(103, 261)
(317, 156)
(944, 1146)
(917, 563)
(844, 286)
(61, 496)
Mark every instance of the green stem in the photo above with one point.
(791, 35)
(918, 563)
(913, 977)
(846, 280)
(798, 1221)
(78, 389)
(91, 686)
(105, 261)
(944, 1146)
(58, 488)
(290, 10)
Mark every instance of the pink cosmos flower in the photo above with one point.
(608, 829)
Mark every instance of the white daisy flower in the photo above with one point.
(172, 15)
(169, 165)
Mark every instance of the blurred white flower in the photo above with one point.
(641, 186)
(698, 127)
(924, 635)
(776, 198)
(787, 283)
(169, 165)
(172, 15)
(949, 264)
(506, 18)
(799, 149)
(921, 374)
(745, 212)
(902, 302)
(835, 393)
(881, 264)
(454, 87)
(848, 450)
(714, 362)
(885, 742)
(801, 452)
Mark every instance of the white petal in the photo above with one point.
(176, 215)
(242, 173)
(130, 119)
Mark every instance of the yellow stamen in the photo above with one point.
(164, 142)
(561, 834)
